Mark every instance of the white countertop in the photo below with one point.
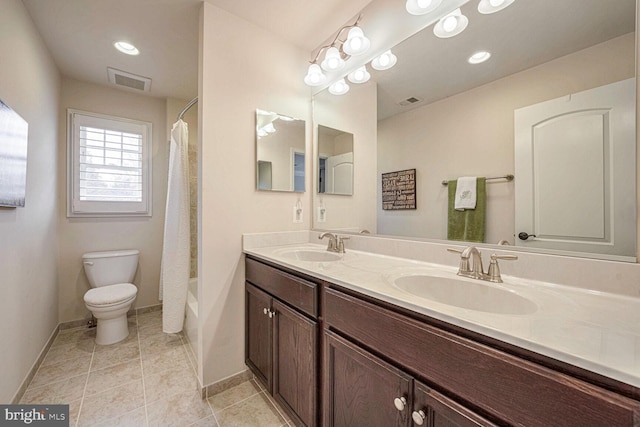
(593, 330)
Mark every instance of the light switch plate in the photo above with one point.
(322, 215)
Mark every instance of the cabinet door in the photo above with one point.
(432, 409)
(361, 390)
(295, 379)
(258, 335)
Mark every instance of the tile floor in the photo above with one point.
(146, 380)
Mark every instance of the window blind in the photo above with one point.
(110, 165)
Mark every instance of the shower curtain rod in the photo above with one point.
(189, 105)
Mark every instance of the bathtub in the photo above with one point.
(191, 320)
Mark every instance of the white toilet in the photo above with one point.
(110, 274)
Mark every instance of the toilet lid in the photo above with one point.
(111, 294)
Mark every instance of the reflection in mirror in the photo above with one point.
(447, 118)
(335, 161)
(280, 151)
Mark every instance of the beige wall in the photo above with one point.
(472, 134)
(80, 235)
(30, 85)
(242, 67)
(355, 113)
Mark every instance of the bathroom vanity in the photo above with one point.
(334, 352)
(282, 337)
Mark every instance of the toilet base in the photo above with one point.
(111, 331)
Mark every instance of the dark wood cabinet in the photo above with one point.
(258, 345)
(432, 409)
(500, 387)
(362, 390)
(281, 343)
(295, 367)
(382, 365)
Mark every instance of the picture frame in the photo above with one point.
(14, 135)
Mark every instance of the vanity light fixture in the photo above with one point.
(340, 87)
(356, 43)
(491, 6)
(451, 24)
(384, 61)
(126, 47)
(314, 76)
(359, 75)
(337, 52)
(422, 7)
(332, 60)
(479, 57)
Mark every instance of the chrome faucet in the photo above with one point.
(336, 244)
(476, 271)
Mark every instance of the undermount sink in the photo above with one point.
(311, 255)
(468, 294)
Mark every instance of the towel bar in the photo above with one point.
(507, 177)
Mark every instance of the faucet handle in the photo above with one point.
(494, 269)
(341, 240)
(464, 262)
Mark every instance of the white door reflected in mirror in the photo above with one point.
(335, 161)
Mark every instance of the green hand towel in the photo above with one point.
(467, 225)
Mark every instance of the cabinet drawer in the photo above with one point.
(297, 292)
(512, 389)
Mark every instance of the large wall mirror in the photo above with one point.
(280, 152)
(447, 118)
(335, 161)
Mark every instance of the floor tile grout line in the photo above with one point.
(276, 407)
(86, 383)
(213, 413)
(144, 388)
(234, 403)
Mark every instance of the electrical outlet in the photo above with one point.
(322, 214)
(297, 215)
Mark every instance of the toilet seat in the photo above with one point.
(110, 295)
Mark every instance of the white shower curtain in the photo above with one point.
(176, 257)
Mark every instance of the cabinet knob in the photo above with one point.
(271, 314)
(419, 417)
(400, 403)
(265, 310)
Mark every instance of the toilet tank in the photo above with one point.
(110, 267)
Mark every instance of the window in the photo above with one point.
(109, 167)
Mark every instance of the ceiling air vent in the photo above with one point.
(409, 101)
(132, 81)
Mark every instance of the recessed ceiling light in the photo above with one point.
(479, 57)
(126, 47)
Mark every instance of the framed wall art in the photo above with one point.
(13, 157)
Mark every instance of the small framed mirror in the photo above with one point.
(335, 161)
(280, 152)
